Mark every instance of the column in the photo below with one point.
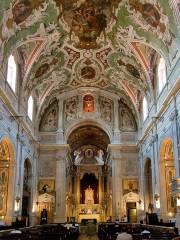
(78, 188)
(116, 181)
(60, 132)
(60, 212)
(174, 119)
(100, 187)
(116, 122)
(34, 213)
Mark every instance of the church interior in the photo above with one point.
(90, 115)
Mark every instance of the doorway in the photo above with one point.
(131, 212)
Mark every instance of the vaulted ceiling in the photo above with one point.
(107, 44)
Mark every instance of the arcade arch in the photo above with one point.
(148, 191)
(27, 191)
(88, 149)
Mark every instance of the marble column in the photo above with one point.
(173, 119)
(60, 132)
(100, 187)
(10, 201)
(60, 210)
(116, 122)
(78, 188)
(116, 181)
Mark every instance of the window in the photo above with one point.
(30, 107)
(161, 74)
(145, 109)
(11, 73)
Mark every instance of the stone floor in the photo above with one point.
(86, 237)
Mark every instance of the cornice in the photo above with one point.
(48, 147)
(123, 147)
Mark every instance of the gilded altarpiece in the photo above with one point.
(4, 176)
(46, 198)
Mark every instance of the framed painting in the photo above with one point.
(130, 185)
(46, 185)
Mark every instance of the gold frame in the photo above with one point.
(49, 185)
(130, 185)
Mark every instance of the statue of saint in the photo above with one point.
(78, 157)
(89, 195)
(99, 157)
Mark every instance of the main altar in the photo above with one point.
(87, 198)
(89, 211)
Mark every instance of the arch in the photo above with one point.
(148, 191)
(132, 199)
(27, 190)
(88, 135)
(167, 173)
(7, 174)
(81, 123)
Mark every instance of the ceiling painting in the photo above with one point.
(88, 20)
(89, 43)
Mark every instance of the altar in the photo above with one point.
(89, 216)
(89, 211)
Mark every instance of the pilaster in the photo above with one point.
(60, 212)
(60, 132)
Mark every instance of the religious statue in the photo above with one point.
(89, 195)
(99, 157)
(78, 157)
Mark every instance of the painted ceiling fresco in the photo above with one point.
(108, 44)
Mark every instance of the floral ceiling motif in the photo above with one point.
(105, 44)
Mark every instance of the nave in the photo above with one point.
(91, 231)
(89, 119)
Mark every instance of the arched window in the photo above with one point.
(145, 109)
(30, 107)
(161, 74)
(11, 73)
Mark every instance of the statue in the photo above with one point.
(89, 195)
(99, 157)
(78, 157)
